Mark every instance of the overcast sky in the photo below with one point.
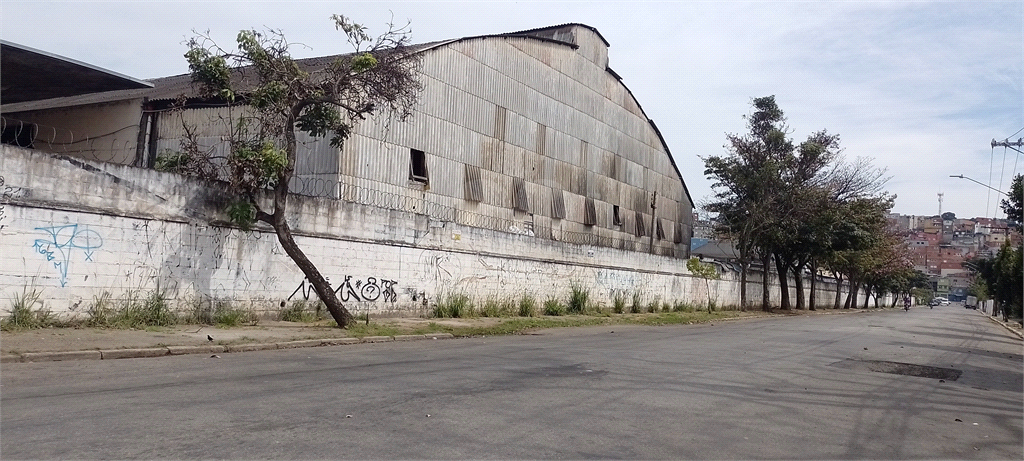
(921, 88)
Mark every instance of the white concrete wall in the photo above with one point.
(76, 230)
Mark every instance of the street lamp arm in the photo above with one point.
(978, 182)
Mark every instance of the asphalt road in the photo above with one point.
(793, 388)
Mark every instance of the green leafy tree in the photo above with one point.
(1013, 205)
(746, 181)
(1009, 265)
(707, 272)
(270, 96)
(786, 203)
(1008, 272)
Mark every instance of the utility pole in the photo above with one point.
(654, 207)
(1007, 143)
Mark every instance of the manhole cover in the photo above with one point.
(898, 368)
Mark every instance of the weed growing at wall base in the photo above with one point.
(637, 306)
(302, 311)
(25, 314)
(619, 303)
(495, 307)
(153, 310)
(454, 306)
(225, 314)
(527, 306)
(579, 297)
(552, 306)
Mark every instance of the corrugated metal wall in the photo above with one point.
(539, 114)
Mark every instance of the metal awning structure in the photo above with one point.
(27, 74)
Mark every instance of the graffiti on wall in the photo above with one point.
(61, 243)
(5, 197)
(354, 290)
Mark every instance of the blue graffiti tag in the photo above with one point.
(64, 239)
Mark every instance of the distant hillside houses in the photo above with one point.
(939, 247)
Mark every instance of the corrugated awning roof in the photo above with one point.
(33, 75)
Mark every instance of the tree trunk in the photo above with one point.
(867, 294)
(707, 284)
(743, 285)
(839, 291)
(320, 285)
(284, 233)
(852, 294)
(798, 283)
(765, 295)
(781, 267)
(814, 280)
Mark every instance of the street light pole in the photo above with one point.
(978, 182)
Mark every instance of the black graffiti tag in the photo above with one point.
(354, 290)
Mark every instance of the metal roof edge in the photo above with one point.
(76, 62)
(672, 160)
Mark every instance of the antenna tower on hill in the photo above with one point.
(940, 204)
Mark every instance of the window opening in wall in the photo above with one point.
(474, 185)
(18, 133)
(679, 233)
(418, 166)
(616, 216)
(557, 204)
(640, 229)
(520, 201)
(590, 212)
(660, 231)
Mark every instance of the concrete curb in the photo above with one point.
(182, 350)
(376, 339)
(60, 356)
(1007, 327)
(109, 354)
(338, 341)
(112, 354)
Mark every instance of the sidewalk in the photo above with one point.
(58, 344)
(1011, 326)
(55, 344)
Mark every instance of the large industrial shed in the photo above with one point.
(526, 166)
(527, 132)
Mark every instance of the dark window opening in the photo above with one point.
(589, 212)
(18, 133)
(680, 230)
(616, 216)
(520, 201)
(474, 185)
(640, 228)
(417, 166)
(659, 231)
(557, 204)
